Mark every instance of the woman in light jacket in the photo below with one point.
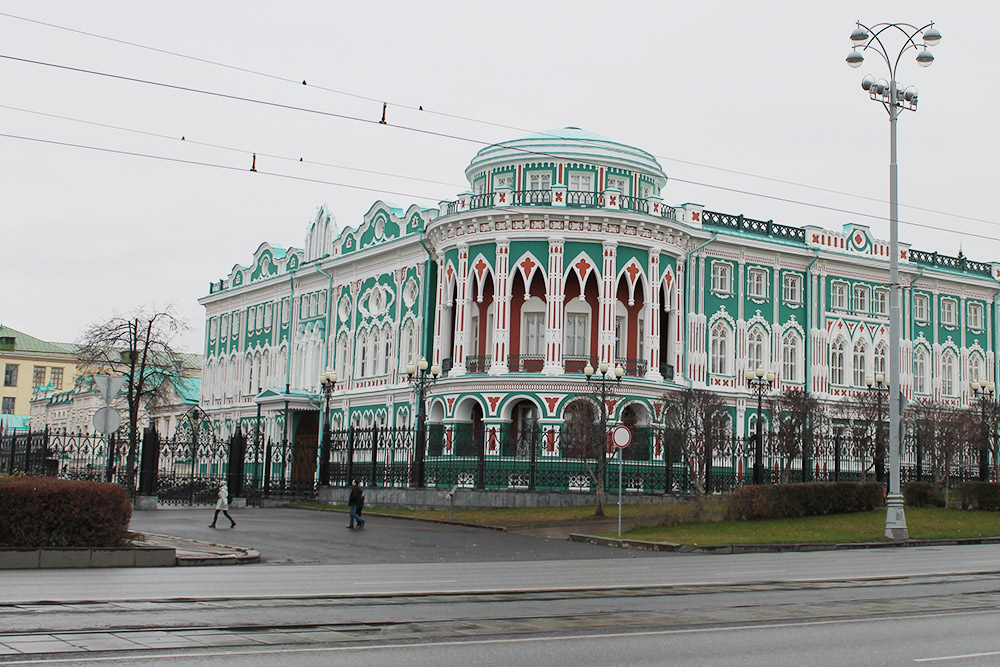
(222, 506)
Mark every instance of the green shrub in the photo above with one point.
(794, 500)
(47, 512)
(981, 496)
(922, 494)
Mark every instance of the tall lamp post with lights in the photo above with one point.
(984, 392)
(327, 382)
(759, 383)
(880, 386)
(421, 380)
(889, 94)
(602, 387)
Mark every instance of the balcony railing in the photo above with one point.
(527, 363)
(582, 199)
(956, 263)
(634, 203)
(478, 363)
(532, 197)
(573, 199)
(575, 363)
(633, 367)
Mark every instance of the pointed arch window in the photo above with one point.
(755, 348)
(790, 351)
(837, 353)
(948, 366)
(881, 358)
(860, 363)
(920, 371)
(721, 349)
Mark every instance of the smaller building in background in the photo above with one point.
(29, 363)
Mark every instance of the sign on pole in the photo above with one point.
(109, 385)
(621, 437)
(107, 420)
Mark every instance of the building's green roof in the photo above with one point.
(16, 422)
(25, 343)
(188, 389)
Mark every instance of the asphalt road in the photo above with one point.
(305, 536)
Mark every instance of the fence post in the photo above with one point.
(920, 457)
(237, 452)
(536, 442)
(375, 436)
(668, 463)
(148, 461)
(836, 455)
(806, 452)
(479, 439)
(267, 470)
(708, 464)
(350, 455)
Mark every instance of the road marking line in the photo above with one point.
(957, 657)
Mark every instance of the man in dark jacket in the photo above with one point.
(356, 501)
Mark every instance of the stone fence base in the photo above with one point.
(32, 559)
(479, 498)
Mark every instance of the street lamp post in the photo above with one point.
(893, 99)
(880, 385)
(327, 382)
(421, 382)
(602, 387)
(984, 392)
(759, 383)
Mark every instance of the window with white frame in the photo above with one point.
(641, 337)
(880, 302)
(790, 350)
(881, 359)
(920, 371)
(581, 181)
(791, 288)
(225, 326)
(757, 283)
(362, 355)
(949, 312)
(722, 278)
(755, 348)
(975, 316)
(576, 334)
(860, 298)
(621, 331)
(838, 296)
(406, 347)
(212, 326)
(503, 181)
(837, 354)
(860, 363)
(920, 309)
(618, 183)
(948, 367)
(646, 189)
(534, 333)
(720, 349)
(539, 180)
(975, 368)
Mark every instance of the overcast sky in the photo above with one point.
(710, 88)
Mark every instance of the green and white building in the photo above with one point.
(564, 252)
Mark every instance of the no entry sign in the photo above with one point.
(621, 437)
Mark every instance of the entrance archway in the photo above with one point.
(304, 449)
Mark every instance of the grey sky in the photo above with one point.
(757, 87)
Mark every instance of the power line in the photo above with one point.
(244, 151)
(425, 198)
(227, 167)
(477, 120)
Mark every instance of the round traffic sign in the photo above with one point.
(107, 420)
(621, 437)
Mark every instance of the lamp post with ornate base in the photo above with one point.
(421, 382)
(984, 392)
(888, 94)
(759, 383)
(602, 388)
(327, 382)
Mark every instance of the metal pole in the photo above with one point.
(421, 440)
(895, 518)
(758, 450)
(324, 461)
(620, 452)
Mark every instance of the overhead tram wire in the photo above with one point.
(425, 198)
(480, 121)
(165, 158)
(230, 148)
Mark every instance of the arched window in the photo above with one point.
(881, 359)
(975, 368)
(721, 349)
(920, 371)
(386, 350)
(837, 352)
(407, 347)
(860, 363)
(948, 383)
(755, 348)
(790, 357)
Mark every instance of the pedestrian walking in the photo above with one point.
(222, 506)
(356, 502)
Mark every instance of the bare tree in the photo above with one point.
(697, 423)
(867, 414)
(946, 433)
(137, 346)
(798, 419)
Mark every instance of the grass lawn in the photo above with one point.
(923, 523)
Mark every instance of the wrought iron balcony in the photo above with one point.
(527, 363)
(478, 363)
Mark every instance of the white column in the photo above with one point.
(501, 316)
(461, 313)
(555, 315)
(606, 333)
(653, 318)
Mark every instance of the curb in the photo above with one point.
(193, 553)
(643, 545)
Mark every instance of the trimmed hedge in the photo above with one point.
(922, 494)
(39, 512)
(794, 500)
(981, 496)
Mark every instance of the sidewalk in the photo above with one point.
(194, 552)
